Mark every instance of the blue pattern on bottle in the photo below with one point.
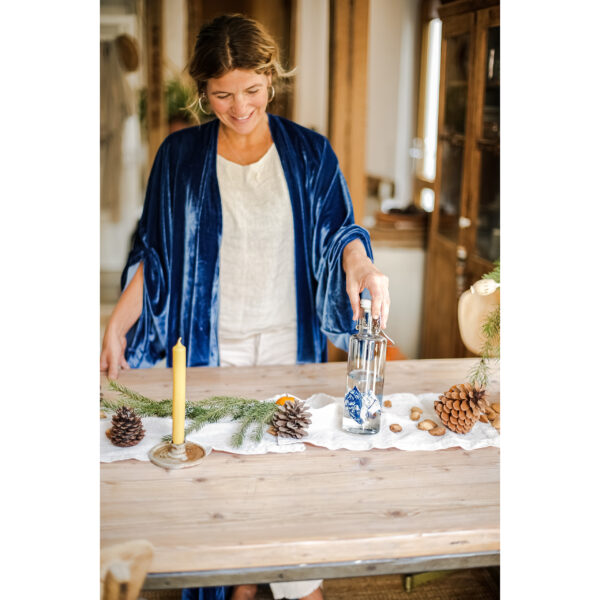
(353, 404)
(359, 405)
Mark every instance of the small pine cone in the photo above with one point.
(127, 429)
(461, 406)
(292, 419)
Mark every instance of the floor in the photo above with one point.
(467, 584)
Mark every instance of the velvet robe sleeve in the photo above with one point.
(333, 228)
(152, 244)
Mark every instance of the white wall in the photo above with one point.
(391, 124)
(405, 267)
(175, 36)
(393, 27)
(312, 51)
(115, 237)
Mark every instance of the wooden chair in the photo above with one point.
(123, 569)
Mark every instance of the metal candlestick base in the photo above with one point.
(176, 456)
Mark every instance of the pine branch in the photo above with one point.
(495, 274)
(479, 373)
(238, 438)
(210, 410)
(141, 404)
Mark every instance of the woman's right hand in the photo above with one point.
(125, 314)
(112, 358)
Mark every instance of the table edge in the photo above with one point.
(359, 568)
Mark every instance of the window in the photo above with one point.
(426, 142)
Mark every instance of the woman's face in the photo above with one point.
(239, 99)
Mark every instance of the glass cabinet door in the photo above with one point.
(487, 244)
(452, 135)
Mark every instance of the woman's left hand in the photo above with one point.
(362, 274)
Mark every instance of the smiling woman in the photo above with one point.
(247, 248)
(239, 100)
(236, 68)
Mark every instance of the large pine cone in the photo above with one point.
(292, 419)
(461, 406)
(127, 429)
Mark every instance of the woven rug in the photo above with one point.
(468, 584)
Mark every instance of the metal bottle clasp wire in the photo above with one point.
(377, 322)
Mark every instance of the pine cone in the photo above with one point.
(292, 419)
(460, 407)
(126, 428)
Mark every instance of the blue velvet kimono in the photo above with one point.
(179, 235)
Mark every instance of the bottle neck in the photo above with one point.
(367, 324)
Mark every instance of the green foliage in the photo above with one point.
(479, 374)
(495, 274)
(253, 414)
(180, 103)
(180, 100)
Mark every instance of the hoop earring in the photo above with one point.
(201, 107)
(272, 95)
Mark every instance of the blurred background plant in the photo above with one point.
(181, 105)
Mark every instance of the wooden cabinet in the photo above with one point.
(464, 233)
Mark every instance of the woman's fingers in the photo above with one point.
(362, 274)
(353, 291)
(113, 370)
(112, 357)
(386, 308)
(377, 284)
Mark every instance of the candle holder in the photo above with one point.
(176, 456)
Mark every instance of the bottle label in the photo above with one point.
(359, 406)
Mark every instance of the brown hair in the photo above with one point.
(233, 42)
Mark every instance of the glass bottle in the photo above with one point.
(365, 374)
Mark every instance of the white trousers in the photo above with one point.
(270, 348)
(294, 589)
(267, 348)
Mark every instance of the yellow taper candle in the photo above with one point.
(178, 393)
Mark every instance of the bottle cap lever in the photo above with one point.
(377, 322)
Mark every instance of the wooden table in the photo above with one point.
(307, 515)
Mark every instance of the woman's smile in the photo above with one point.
(239, 99)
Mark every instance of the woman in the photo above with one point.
(247, 247)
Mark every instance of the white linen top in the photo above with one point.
(257, 264)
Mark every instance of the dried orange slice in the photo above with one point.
(285, 399)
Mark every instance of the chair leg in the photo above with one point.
(414, 579)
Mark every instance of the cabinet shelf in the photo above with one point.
(454, 139)
(486, 144)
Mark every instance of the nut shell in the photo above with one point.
(437, 430)
(426, 425)
(395, 427)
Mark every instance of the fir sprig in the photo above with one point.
(490, 328)
(252, 413)
(495, 274)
